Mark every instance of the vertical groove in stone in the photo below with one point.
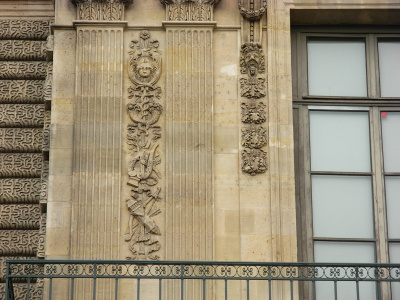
(189, 214)
(97, 151)
(98, 144)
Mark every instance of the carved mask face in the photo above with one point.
(145, 69)
(252, 69)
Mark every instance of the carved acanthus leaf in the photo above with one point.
(108, 10)
(190, 10)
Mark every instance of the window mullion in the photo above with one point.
(378, 187)
(372, 66)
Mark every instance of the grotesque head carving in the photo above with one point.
(145, 61)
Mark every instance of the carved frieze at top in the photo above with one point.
(189, 10)
(101, 10)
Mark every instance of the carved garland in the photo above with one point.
(252, 87)
(144, 71)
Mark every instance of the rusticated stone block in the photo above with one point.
(22, 50)
(23, 69)
(19, 242)
(21, 115)
(25, 29)
(19, 216)
(21, 164)
(19, 190)
(21, 139)
(21, 91)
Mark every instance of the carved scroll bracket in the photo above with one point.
(144, 111)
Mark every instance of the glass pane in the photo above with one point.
(394, 256)
(392, 185)
(341, 252)
(339, 141)
(391, 140)
(336, 68)
(342, 206)
(389, 68)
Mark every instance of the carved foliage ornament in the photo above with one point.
(144, 111)
(189, 10)
(252, 63)
(109, 10)
(252, 14)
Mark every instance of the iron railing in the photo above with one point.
(214, 279)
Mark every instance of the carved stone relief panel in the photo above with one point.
(253, 87)
(19, 242)
(21, 115)
(192, 10)
(110, 10)
(144, 111)
(20, 139)
(21, 164)
(23, 70)
(25, 29)
(21, 91)
(252, 64)
(19, 190)
(22, 50)
(19, 216)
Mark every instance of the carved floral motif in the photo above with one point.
(254, 137)
(252, 14)
(253, 113)
(254, 161)
(144, 112)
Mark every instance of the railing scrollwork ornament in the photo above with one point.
(144, 71)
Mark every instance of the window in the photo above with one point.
(346, 99)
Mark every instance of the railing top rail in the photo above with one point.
(201, 263)
(201, 269)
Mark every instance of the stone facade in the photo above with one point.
(152, 130)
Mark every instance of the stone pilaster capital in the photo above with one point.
(107, 10)
(190, 10)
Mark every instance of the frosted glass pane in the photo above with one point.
(342, 206)
(341, 252)
(336, 68)
(389, 68)
(392, 185)
(391, 140)
(394, 256)
(339, 141)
